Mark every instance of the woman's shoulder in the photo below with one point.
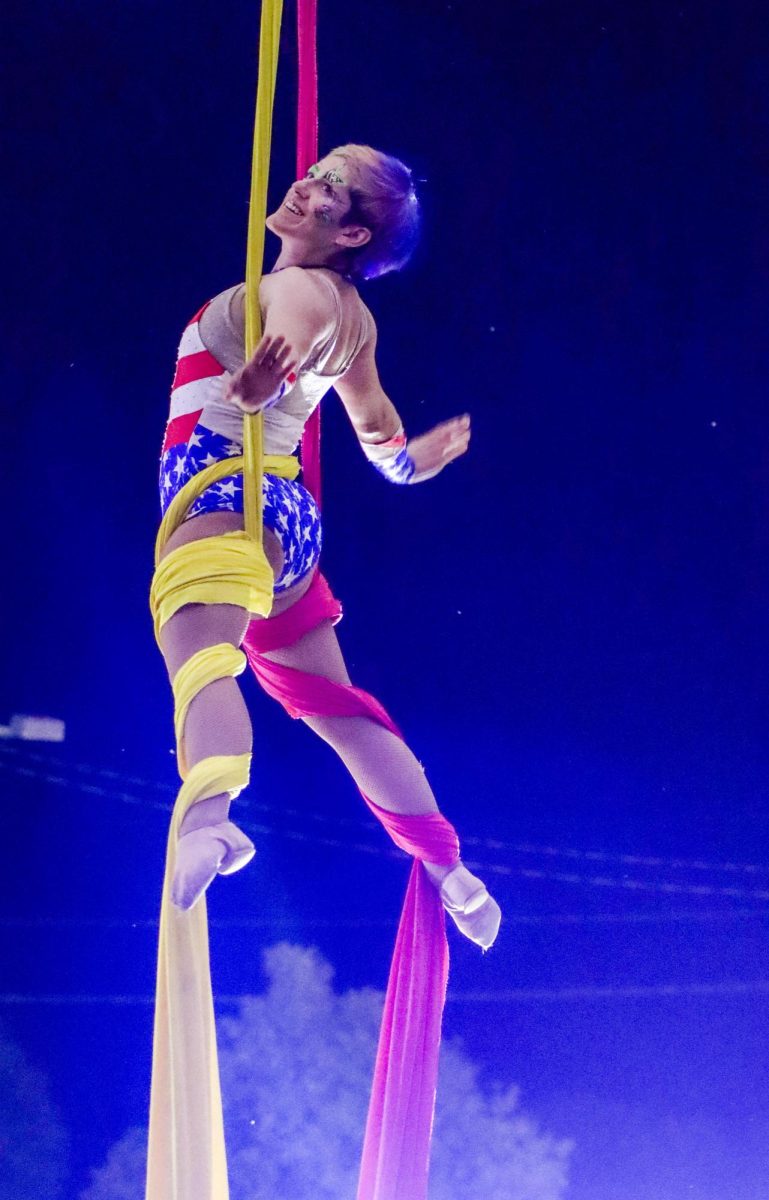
(298, 281)
(303, 291)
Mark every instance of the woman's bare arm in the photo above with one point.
(373, 415)
(376, 421)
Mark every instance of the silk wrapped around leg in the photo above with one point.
(396, 1148)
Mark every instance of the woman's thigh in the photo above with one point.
(196, 626)
(317, 652)
(381, 764)
(216, 523)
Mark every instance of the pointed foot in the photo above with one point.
(203, 853)
(475, 913)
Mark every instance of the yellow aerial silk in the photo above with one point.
(186, 1157)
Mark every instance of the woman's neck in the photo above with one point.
(313, 267)
(289, 258)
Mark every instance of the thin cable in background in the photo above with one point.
(625, 883)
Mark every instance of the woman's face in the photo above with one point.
(315, 207)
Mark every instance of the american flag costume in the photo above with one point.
(203, 429)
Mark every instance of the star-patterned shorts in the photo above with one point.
(288, 508)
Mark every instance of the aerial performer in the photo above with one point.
(353, 217)
(237, 580)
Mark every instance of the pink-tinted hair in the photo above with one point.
(385, 201)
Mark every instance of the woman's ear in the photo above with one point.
(352, 237)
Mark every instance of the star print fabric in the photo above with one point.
(289, 509)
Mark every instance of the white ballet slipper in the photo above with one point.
(203, 853)
(466, 899)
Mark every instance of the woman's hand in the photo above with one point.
(431, 451)
(259, 384)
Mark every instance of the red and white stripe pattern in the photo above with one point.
(197, 393)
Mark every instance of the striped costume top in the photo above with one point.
(204, 428)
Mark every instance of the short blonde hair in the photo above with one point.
(384, 200)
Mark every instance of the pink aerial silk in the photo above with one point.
(306, 155)
(396, 1147)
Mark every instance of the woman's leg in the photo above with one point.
(216, 724)
(380, 763)
(388, 773)
(217, 720)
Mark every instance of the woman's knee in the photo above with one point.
(197, 626)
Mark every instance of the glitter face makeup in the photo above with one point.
(331, 176)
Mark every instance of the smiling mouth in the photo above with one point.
(292, 208)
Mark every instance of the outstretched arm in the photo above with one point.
(380, 429)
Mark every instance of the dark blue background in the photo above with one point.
(570, 624)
